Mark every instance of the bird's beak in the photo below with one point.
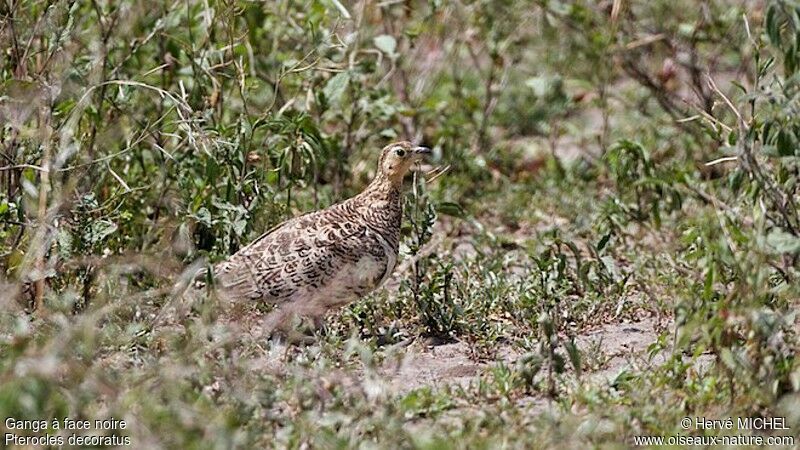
(421, 151)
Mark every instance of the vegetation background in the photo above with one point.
(611, 163)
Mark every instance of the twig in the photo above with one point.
(722, 160)
(739, 119)
(44, 188)
(437, 172)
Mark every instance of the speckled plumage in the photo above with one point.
(325, 259)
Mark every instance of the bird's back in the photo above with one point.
(329, 256)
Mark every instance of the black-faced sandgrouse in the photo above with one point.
(321, 260)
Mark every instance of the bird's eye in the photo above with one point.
(400, 152)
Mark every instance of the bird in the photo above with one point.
(325, 259)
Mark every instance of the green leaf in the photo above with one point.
(203, 216)
(540, 85)
(64, 239)
(728, 359)
(335, 87)
(784, 144)
(450, 209)
(603, 242)
(782, 242)
(387, 44)
(772, 26)
(574, 356)
(239, 227)
(733, 137)
(708, 284)
(100, 229)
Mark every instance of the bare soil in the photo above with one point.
(613, 346)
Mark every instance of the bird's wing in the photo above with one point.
(296, 255)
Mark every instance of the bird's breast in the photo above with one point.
(389, 248)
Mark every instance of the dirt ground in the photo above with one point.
(621, 345)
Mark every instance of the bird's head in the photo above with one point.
(397, 158)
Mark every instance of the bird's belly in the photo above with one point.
(354, 280)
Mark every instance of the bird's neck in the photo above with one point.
(382, 201)
(381, 206)
(384, 187)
